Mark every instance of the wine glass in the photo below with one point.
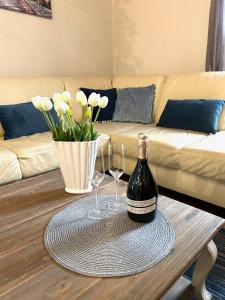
(97, 178)
(116, 169)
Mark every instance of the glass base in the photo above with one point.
(116, 206)
(96, 214)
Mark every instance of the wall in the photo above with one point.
(160, 36)
(149, 36)
(77, 41)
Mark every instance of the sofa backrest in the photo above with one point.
(15, 90)
(72, 84)
(141, 81)
(205, 85)
(21, 89)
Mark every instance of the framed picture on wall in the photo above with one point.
(41, 8)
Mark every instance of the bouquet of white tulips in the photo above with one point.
(66, 128)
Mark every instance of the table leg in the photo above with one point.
(203, 266)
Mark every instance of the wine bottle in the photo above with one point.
(142, 192)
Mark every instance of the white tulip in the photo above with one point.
(66, 96)
(37, 102)
(57, 97)
(81, 98)
(42, 103)
(46, 104)
(61, 108)
(84, 101)
(103, 101)
(93, 99)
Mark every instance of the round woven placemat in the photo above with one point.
(113, 246)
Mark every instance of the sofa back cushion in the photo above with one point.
(23, 119)
(141, 81)
(135, 105)
(72, 84)
(205, 85)
(21, 89)
(105, 114)
(197, 115)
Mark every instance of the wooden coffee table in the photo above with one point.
(28, 272)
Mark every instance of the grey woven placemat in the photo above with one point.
(113, 246)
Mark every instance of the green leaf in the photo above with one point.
(87, 137)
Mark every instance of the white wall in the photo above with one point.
(77, 41)
(160, 36)
(90, 37)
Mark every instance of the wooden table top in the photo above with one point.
(28, 272)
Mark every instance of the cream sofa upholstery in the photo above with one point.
(205, 157)
(35, 153)
(189, 162)
(165, 144)
(9, 166)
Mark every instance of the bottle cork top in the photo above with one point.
(142, 138)
(142, 145)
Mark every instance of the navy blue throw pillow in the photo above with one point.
(105, 114)
(22, 119)
(197, 115)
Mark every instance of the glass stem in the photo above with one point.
(116, 184)
(96, 197)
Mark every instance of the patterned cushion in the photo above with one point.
(135, 105)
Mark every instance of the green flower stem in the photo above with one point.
(73, 120)
(77, 124)
(53, 125)
(72, 125)
(68, 129)
(47, 120)
(92, 109)
(83, 113)
(96, 117)
(60, 130)
(70, 121)
(67, 120)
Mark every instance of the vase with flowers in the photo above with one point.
(76, 142)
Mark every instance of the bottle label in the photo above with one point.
(141, 210)
(141, 207)
(143, 203)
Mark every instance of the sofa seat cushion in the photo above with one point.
(164, 146)
(9, 166)
(205, 157)
(112, 128)
(36, 153)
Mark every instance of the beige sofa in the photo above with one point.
(189, 162)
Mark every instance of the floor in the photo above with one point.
(216, 279)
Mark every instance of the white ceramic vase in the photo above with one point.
(77, 163)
